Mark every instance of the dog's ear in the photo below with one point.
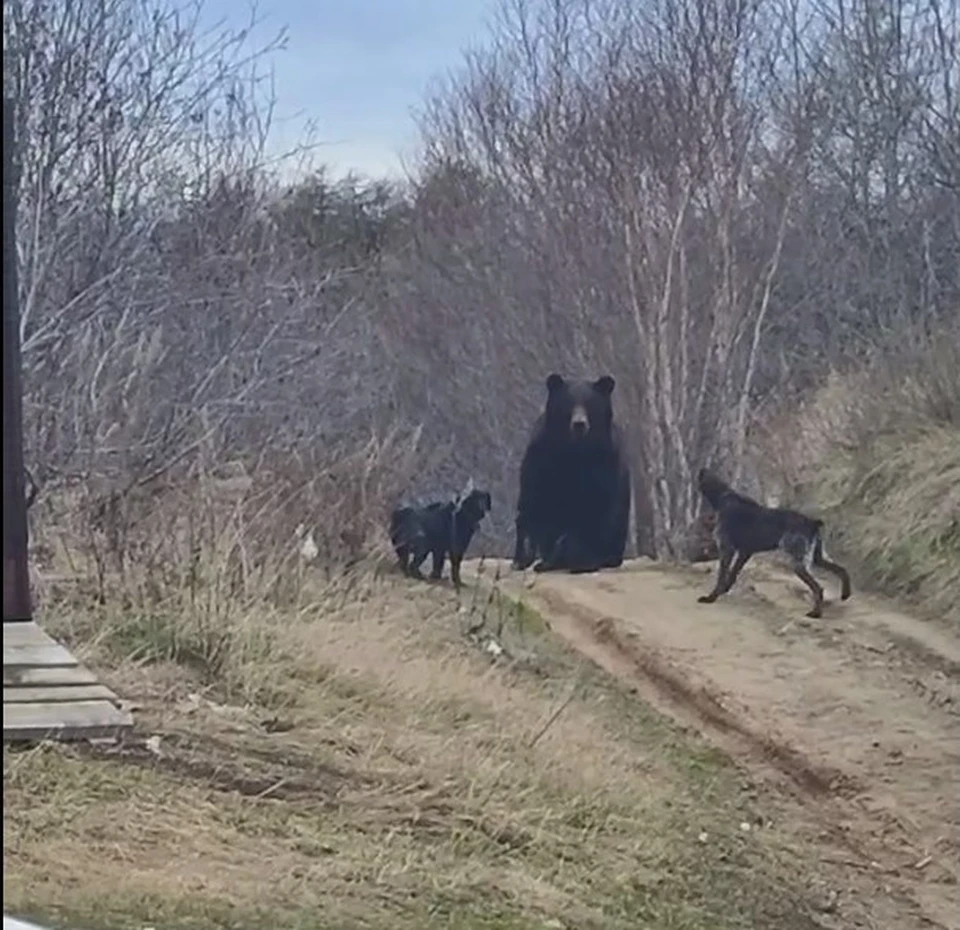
(554, 383)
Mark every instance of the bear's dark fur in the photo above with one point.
(574, 506)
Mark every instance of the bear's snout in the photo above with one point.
(579, 421)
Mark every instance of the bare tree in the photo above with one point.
(710, 201)
(178, 318)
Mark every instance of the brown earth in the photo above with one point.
(851, 723)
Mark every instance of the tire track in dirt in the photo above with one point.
(695, 703)
(856, 717)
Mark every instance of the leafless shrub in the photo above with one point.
(214, 536)
(715, 203)
(181, 310)
(709, 201)
(627, 213)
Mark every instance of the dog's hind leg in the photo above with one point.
(438, 558)
(804, 575)
(802, 551)
(721, 587)
(820, 559)
(578, 563)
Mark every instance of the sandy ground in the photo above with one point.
(852, 720)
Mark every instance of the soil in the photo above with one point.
(853, 720)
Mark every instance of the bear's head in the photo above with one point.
(580, 410)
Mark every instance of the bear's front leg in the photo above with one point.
(559, 555)
(523, 554)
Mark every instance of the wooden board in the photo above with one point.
(13, 923)
(22, 633)
(43, 655)
(47, 694)
(57, 693)
(78, 719)
(47, 676)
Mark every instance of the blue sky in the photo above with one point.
(356, 69)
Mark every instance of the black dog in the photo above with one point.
(745, 527)
(440, 529)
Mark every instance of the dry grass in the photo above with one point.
(323, 748)
(360, 763)
(875, 453)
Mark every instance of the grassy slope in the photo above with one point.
(898, 514)
(390, 774)
(877, 453)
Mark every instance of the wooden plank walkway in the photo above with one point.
(14, 923)
(47, 694)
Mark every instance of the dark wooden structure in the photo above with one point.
(16, 582)
(46, 693)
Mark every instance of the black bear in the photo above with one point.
(574, 506)
(442, 528)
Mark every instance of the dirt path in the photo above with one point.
(856, 718)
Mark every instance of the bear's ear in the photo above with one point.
(554, 383)
(605, 385)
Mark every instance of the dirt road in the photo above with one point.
(854, 719)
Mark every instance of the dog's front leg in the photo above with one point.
(439, 556)
(732, 575)
(455, 560)
(726, 557)
(416, 560)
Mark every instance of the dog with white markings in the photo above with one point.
(746, 527)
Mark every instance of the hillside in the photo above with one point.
(631, 759)
(875, 452)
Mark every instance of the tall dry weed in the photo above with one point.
(200, 567)
(875, 451)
